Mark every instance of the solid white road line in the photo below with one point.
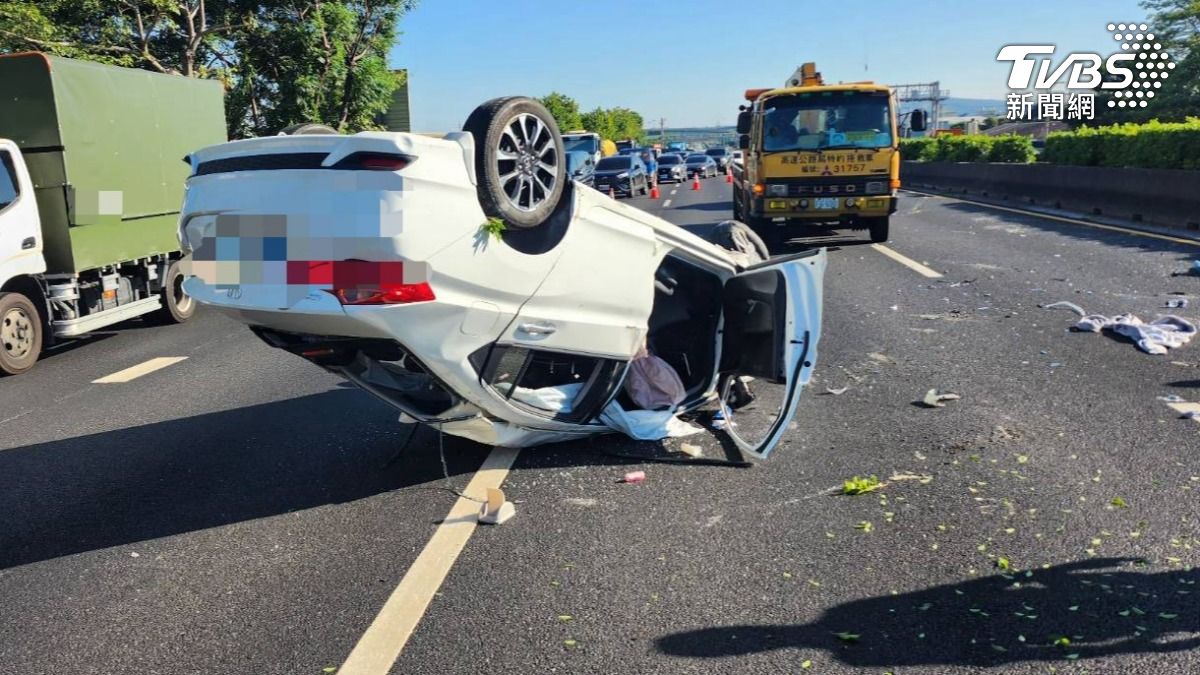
(134, 372)
(907, 262)
(378, 648)
(1063, 219)
(666, 203)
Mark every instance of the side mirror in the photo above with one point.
(916, 120)
(743, 122)
(744, 142)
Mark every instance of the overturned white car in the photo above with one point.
(466, 281)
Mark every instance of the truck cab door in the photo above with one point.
(770, 327)
(20, 231)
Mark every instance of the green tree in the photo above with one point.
(564, 109)
(282, 61)
(1176, 25)
(598, 121)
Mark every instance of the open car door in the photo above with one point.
(772, 321)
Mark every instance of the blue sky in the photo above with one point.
(689, 61)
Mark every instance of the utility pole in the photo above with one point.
(662, 131)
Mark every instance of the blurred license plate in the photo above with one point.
(825, 203)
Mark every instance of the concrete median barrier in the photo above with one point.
(1161, 197)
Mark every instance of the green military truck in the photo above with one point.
(92, 174)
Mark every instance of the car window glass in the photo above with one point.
(568, 387)
(8, 180)
(610, 163)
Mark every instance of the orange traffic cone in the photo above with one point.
(654, 190)
(728, 175)
(612, 194)
(696, 182)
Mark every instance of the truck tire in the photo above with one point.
(878, 228)
(737, 208)
(520, 166)
(177, 306)
(20, 332)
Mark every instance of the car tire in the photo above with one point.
(21, 333)
(723, 237)
(306, 129)
(768, 232)
(177, 306)
(878, 228)
(517, 138)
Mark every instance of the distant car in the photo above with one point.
(672, 167)
(623, 174)
(700, 164)
(581, 167)
(721, 156)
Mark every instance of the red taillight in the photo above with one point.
(360, 282)
(374, 161)
(385, 294)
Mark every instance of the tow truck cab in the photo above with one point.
(817, 154)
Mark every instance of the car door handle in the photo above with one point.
(537, 328)
(28, 243)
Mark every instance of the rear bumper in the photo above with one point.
(875, 206)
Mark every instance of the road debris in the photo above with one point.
(1165, 332)
(1176, 303)
(922, 478)
(881, 358)
(1171, 398)
(496, 510)
(836, 392)
(861, 486)
(634, 477)
(1066, 305)
(693, 451)
(933, 399)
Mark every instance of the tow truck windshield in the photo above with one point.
(826, 120)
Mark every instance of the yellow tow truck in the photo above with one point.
(818, 154)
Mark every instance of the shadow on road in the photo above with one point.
(155, 480)
(1075, 611)
(1109, 237)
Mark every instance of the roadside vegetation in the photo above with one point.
(611, 123)
(1153, 145)
(282, 62)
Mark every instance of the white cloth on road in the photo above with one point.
(643, 425)
(1156, 337)
(647, 425)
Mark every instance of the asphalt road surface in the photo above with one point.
(240, 511)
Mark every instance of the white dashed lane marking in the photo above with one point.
(378, 648)
(907, 262)
(145, 368)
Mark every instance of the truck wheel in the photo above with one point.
(737, 209)
(177, 306)
(519, 162)
(20, 332)
(879, 229)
